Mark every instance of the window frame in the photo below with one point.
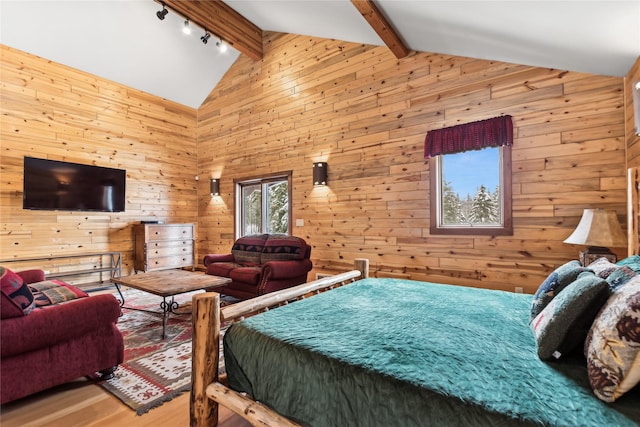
(239, 183)
(435, 201)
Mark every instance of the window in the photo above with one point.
(263, 205)
(471, 192)
(470, 177)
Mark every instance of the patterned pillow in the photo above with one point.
(51, 292)
(17, 299)
(248, 249)
(613, 344)
(553, 284)
(603, 267)
(564, 323)
(620, 276)
(633, 262)
(284, 247)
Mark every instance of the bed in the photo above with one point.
(380, 352)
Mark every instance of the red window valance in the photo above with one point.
(494, 132)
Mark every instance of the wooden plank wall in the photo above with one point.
(633, 140)
(55, 112)
(367, 114)
(633, 159)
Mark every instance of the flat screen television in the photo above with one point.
(56, 185)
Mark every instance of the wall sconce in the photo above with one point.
(320, 173)
(214, 186)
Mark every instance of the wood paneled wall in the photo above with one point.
(366, 113)
(55, 112)
(309, 99)
(633, 159)
(633, 140)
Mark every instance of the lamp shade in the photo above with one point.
(598, 227)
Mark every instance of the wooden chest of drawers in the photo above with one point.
(163, 246)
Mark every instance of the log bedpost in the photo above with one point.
(204, 358)
(362, 265)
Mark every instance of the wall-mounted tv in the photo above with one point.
(56, 185)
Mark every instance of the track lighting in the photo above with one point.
(162, 13)
(221, 45)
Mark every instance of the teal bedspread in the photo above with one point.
(387, 352)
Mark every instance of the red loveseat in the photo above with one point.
(261, 263)
(41, 347)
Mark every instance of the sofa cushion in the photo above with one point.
(283, 247)
(613, 344)
(222, 269)
(249, 275)
(17, 299)
(249, 248)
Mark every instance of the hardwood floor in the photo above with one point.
(83, 404)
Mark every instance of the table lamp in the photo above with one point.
(598, 229)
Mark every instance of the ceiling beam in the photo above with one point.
(382, 27)
(221, 20)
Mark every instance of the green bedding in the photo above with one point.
(387, 352)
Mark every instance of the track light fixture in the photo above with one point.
(162, 13)
(221, 45)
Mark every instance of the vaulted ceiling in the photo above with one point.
(124, 41)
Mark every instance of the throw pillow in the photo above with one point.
(553, 284)
(248, 249)
(633, 262)
(620, 276)
(54, 292)
(17, 299)
(283, 247)
(613, 344)
(603, 267)
(564, 323)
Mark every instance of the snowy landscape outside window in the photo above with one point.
(471, 192)
(263, 205)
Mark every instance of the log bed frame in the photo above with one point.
(207, 386)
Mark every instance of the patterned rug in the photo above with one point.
(154, 370)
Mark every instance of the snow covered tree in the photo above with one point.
(483, 210)
(278, 203)
(451, 208)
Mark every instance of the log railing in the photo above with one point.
(206, 389)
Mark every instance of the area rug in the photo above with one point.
(154, 370)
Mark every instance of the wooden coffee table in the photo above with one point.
(168, 284)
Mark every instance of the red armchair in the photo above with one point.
(44, 347)
(263, 263)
